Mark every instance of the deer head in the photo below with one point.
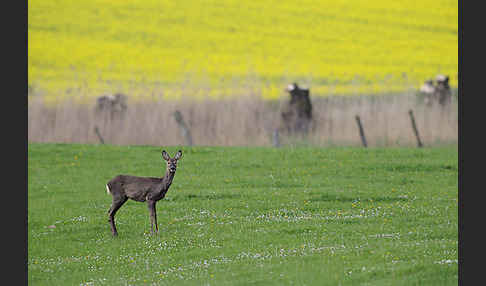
(171, 162)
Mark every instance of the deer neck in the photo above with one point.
(167, 179)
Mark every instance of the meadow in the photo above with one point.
(246, 216)
(232, 47)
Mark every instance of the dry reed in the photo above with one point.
(245, 121)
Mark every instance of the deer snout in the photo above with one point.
(172, 168)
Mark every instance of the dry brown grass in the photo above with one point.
(245, 120)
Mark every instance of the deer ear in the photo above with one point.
(178, 155)
(165, 155)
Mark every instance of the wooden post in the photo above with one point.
(415, 130)
(361, 131)
(186, 133)
(97, 131)
(275, 139)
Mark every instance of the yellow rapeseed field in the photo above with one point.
(227, 47)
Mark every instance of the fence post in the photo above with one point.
(275, 139)
(186, 133)
(97, 131)
(415, 130)
(361, 131)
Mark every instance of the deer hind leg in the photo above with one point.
(117, 203)
(153, 215)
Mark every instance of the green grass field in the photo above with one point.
(230, 47)
(246, 216)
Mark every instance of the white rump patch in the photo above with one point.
(107, 189)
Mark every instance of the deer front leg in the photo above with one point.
(153, 215)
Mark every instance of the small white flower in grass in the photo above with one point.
(447, 261)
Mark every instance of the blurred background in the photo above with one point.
(260, 73)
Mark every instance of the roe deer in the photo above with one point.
(141, 189)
